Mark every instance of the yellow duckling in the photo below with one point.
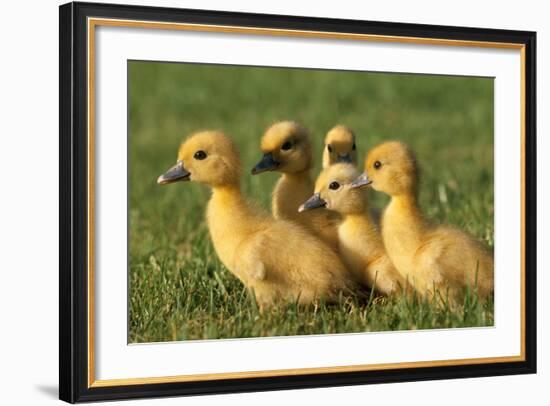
(360, 244)
(276, 259)
(432, 257)
(287, 149)
(339, 146)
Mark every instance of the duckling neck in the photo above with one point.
(228, 194)
(229, 206)
(359, 242)
(402, 223)
(296, 178)
(360, 219)
(291, 190)
(230, 219)
(359, 226)
(406, 208)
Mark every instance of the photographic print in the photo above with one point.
(256, 202)
(305, 201)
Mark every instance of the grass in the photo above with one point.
(178, 287)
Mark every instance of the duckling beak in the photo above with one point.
(314, 202)
(344, 158)
(267, 163)
(174, 174)
(360, 181)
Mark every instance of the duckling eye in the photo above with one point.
(334, 186)
(329, 148)
(353, 147)
(286, 146)
(200, 155)
(377, 165)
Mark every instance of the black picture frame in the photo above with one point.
(73, 259)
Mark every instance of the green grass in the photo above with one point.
(178, 287)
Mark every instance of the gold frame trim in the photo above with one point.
(94, 22)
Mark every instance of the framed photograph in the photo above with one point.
(258, 202)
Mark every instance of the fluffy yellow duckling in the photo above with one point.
(287, 149)
(359, 241)
(429, 256)
(278, 260)
(339, 146)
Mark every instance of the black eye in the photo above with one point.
(200, 155)
(377, 165)
(353, 147)
(334, 186)
(286, 146)
(329, 148)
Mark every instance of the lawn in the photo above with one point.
(178, 287)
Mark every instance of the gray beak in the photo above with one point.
(344, 158)
(314, 202)
(174, 174)
(267, 163)
(360, 181)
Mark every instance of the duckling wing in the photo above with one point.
(248, 261)
(454, 260)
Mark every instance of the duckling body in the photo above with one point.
(276, 259)
(362, 250)
(434, 258)
(359, 241)
(287, 149)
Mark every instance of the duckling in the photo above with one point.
(287, 149)
(339, 146)
(276, 259)
(360, 244)
(434, 258)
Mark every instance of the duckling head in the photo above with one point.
(286, 148)
(390, 168)
(208, 157)
(333, 191)
(339, 146)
